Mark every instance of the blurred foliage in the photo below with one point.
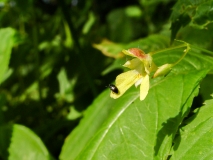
(57, 57)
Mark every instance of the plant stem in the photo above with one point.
(167, 49)
(175, 47)
(185, 52)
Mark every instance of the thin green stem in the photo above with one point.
(175, 47)
(185, 52)
(167, 49)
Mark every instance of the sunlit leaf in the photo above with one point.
(22, 143)
(110, 49)
(65, 86)
(94, 118)
(150, 43)
(6, 43)
(146, 128)
(195, 139)
(133, 11)
(131, 128)
(89, 23)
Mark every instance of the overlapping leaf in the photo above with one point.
(197, 13)
(195, 139)
(144, 129)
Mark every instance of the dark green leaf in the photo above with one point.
(196, 12)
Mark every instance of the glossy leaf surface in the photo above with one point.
(131, 127)
(19, 142)
(195, 139)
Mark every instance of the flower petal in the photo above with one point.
(144, 88)
(148, 63)
(124, 81)
(135, 52)
(136, 64)
(138, 82)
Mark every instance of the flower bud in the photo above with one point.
(163, 70)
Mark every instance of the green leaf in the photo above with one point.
(89, 23)
(22, 143)
(110, 49)
(206, 88)
(121, 28)
(65, 86)
(194, 60)
(93, 119)
(182, 21)
(203, 15)
(197, 13)
(133, 11)
(195, 139)
(153, 2)
(198, 37)
(117, 64)
(169, 97)
(150, 43)
(6, 43)
(131, 128)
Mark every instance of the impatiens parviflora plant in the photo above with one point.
(140, 68)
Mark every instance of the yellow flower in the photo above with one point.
(140, 68)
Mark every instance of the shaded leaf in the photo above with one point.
(206, 87)
(121, 28)
(204, 14)
(117, 64)
(197, 13)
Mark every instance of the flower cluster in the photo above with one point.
(140, 68)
